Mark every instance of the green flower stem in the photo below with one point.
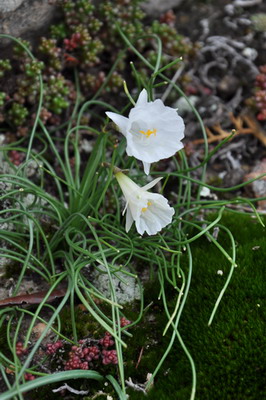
(84, 107)
(177, 303)
(176, 333)
(233, 266)
(29, 251)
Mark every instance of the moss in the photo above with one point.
(86, 325)
(230, 354)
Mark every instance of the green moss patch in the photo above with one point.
(230, 354)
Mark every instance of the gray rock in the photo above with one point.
(9, 5)
(126, 287)
(25, 18)
(156, 7)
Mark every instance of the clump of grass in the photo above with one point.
(83, 231)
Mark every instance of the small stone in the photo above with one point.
(157, 7)
(205, 192)
(182, 105)
(250, 53)
(127, 289)
(86, 145)
(228, 85)
(38, 329)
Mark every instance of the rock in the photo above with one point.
(154, 8)
(250, 53)
(126, 289)
(7, 287)
(182, 105)
(228, 85)
(9, 5)
(38, 329)
(23, 18)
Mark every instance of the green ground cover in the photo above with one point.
(230, 354)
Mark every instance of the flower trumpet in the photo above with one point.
(150, 211)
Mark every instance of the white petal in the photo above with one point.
(119, 120)
(163, 215)
(149, 224)
(129, 188)
(140, 226)
(146, 167)
(129, 220)
(125, 209)
(168, 129)
(153, 131)
(156, 216)
(143, 98)
(151, 184)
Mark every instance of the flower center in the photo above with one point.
(146, 208)
(149, 132)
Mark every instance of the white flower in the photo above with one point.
(153, 130)
(150, 211)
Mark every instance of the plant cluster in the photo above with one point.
(85, 355)
(51, 348)
(86, 41)
(20, 349)
(66, 222)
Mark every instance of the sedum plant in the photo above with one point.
(84, 44)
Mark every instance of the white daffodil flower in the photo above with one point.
(153, 130)
(150, 211)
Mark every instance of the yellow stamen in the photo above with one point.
(146, 208)
(149, 132)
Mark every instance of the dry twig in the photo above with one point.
(71, 390)
(243, 124)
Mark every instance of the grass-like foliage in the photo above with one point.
(66, 221)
